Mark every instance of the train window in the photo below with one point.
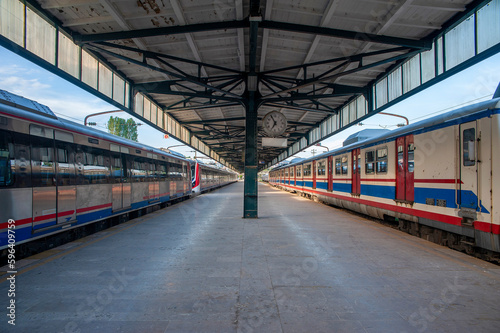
(359, 163)
(175, 171)
(286, 173)
(370, 162)
(411, 157)
(307, 170)
(62, 155)
(22, 176)
(299, 171)
(116, 169)
(356, 164)
(65, 165)
(43, 166)
(401, 151)
(95, 167)
(7, 161)
(345, 166)
(138, 171)
(321, 168)
(291, 171)
(468, 147)
(382, 160)
(338, 166)
(150, 171)
(162, 171)
(193, 167)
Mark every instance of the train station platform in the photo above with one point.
(302, 266)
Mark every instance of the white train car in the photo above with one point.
(57, 177)
(439, 178)
(206, 178)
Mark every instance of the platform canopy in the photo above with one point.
(187, 67)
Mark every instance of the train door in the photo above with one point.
(125, 181)
(65, 179)
(43, 175)
(314, 174)
(121, 188)
(153, 184)
(329, 171)
(116, 187)
(187, 178)
(468, 166)
(298, 178)
(405, 169)
(356, 172)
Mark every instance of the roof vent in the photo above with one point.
(364, 135)
(25, 104)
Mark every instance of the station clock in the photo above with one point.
(274, 123)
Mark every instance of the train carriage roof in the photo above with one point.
(33, 111)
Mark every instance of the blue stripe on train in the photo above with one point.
(341, 187)
(380, 191)
(421, 193)
(322, 185)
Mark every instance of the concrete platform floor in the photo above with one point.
(301, 267)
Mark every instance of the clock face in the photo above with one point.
(274, 123)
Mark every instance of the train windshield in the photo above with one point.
(193, 166)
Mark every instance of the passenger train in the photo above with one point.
(57, 176)
(206, 178)
(438, 178)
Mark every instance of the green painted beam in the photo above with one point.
(355, 35)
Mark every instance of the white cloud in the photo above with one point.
(72, 107)
(22, 86)
(12, 70)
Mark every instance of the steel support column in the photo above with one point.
(251, 159)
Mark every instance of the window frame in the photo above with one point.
(466, 160)
(368, 162)
(321, 168)
(345, 165)
(308, 170)
(379, 160)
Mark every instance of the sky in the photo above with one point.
(24, 78)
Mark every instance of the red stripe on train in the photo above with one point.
(86, 209)
(439, 181)
(17, 224)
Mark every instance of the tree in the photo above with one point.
(124, 128)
